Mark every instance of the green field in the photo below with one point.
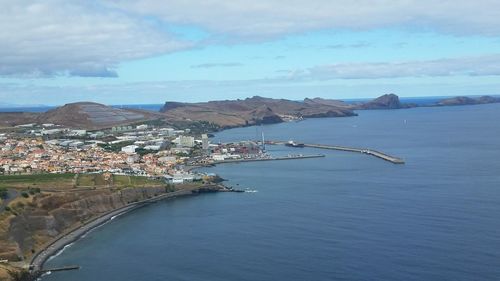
(132, 181)
(38, 180)
(68, 181)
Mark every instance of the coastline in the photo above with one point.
(55, 246)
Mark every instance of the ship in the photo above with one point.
(294, 144)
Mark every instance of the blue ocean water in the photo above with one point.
(343, 217)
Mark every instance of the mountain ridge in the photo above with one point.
(222, 113)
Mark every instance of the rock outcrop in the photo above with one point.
(388, 101)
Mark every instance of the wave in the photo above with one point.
(102, 224)
(60, 252)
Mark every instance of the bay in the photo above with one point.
(347, 216)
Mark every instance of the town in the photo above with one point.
(140, 150)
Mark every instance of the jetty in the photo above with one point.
(64, 268)
(368, 151)
(288, 157)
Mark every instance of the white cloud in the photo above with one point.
(264, 18)
(44, 38)
(221, 64)
(468, 66)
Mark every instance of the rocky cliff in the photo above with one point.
(51, 214)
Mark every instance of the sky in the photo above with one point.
(54, 52)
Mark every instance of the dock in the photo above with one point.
(289, 157)
(368, 151)
(63, 268)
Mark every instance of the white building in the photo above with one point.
(129, 149)
(51, 132)
(142, 127)
(152, 147)
(218, 157)
(205, 142)
(26, 125)
(167, 131)
(77, 133)
(185, 141)
(182, 178)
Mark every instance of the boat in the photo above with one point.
(294, 144)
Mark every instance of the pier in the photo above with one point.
(372, 152)
(289, 157)
(64, 268)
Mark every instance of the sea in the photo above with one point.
(347, 216)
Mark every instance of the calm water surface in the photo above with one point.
(344, 217)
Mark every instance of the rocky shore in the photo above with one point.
(72, 235)
(37, 261)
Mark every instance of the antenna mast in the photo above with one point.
(263, 140)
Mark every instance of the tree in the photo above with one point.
(3, 193)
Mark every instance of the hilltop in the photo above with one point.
(84, 115)
(90, 115)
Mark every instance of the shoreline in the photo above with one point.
(72, 235)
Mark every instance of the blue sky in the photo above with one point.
(119, 52)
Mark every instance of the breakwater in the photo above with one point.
(289, 157)
(368, 151)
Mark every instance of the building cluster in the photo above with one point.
(138, 150)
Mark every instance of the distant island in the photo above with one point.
(214, 115)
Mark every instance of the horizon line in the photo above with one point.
(13, 106)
